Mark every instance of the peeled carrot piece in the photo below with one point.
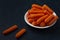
(42, 24)
(34, 23)
(31, 11)
(47, 12)
(53, 20)
(30, 20)
(47, 8)
(41, 19)
(35, 19)
(36, 11)
(20, 33)
(36, 6)
(12, 28)
(49, 18)
(35, 15)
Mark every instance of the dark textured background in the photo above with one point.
(12, 12)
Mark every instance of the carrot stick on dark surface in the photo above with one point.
(20, 33)
(10, 29)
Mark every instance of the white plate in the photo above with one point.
(25, 18)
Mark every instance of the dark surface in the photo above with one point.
(12, 12)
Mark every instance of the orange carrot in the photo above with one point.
(34, 23)
(12, 28)
(48, 18)
(30, 11)
(35, 19)
(46, 12)
(35, 15)
(41, 19)
(20, 33)
(30, 20)
(53, 20)
(42, 24)
(36, 6)
(36, 11)
(47, 8)
(33, 9)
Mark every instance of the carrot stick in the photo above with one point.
(41, 19)
(35, 15)
(30, 20)
(20, 33)
(12, 28)
(42, 24)
(35, 19)
(36, 6)
(47, 8)
(53, 20)
(34, 23)
(47, 12)
(36, 11)
(48, 18)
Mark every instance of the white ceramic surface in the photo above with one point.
(25, 18)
